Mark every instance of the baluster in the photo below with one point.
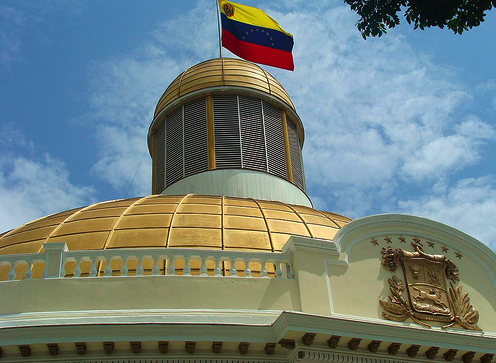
(93, 268)
(232, 271)
(203, 268)
(263, 271)
(124, 269)
(139, 269)
(187, 269)
(155, 269)
(12, 274)
(62, 268)
(217, 270)
(77, 269)
(278, 269)
(171, 269)
(289, 269)
(108, 269)
(29, 273)
(247, 268)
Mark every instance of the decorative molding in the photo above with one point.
(287, 343)
(308, 338)
(190, 347)
(149, 359)
(270, 348)
(217, 347)
(405, 333)
(354, 343)
(163, 347)
(486, 358)
(25, 350)
(449, 355)
(468, 357)
(135, 347)
(108, 347)
(315, 355)
(333, 341)
(431, 352)
(393, 348)
(413, 350)
(310, 245)
(243, 348)
(81, 348)
(53, 349)
(373, 346)
(140, 316)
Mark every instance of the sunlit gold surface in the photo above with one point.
(222, 72)
(175, 221)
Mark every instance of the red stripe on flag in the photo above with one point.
(257, 53)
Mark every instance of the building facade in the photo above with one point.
(227, 260)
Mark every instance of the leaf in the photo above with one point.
(397, 317)
(465, 314)
(392, 307)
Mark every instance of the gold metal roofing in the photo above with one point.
(222, 72)
(175, 221)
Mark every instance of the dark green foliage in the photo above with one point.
(458, 15)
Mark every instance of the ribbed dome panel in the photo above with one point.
(175, 221)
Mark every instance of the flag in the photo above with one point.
(253, 35)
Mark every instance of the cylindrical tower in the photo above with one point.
(227, 127)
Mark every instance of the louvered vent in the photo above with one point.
(275, 140)
(174, 147)
(226, 130)
(195, 138)
(160, 159)
(252, 134)
(295, 152)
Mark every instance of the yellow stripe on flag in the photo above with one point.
(249, 15)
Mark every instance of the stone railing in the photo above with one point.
(217, 263)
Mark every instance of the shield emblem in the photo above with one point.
(427, 288)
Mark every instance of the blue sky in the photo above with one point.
(402, 123)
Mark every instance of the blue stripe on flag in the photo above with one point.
(257, 35)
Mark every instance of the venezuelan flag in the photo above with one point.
(253, 35)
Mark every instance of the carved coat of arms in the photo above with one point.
(428, 296)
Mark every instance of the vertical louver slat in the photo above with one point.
(275, 140)
(195, 137)
(252, 134)
(174, 147)
(226, 131)
(160, 159)
(295, 151)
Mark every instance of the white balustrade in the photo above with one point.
(56, 260)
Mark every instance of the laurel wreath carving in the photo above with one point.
(464, 313)
(398, 308)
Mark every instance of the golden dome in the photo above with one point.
(175, 221)
(222, 72)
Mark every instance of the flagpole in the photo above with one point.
(218, 28)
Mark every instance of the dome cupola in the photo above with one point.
(227, 127)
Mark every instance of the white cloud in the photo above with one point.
(11, 22)
(469, 206)
(32, 183)
(32, 188)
